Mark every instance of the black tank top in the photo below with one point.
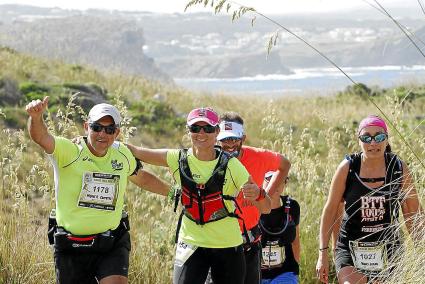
(275, 222)
(371, 214)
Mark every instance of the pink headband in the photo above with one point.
(372, 120)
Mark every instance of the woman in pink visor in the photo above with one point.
(375, 185)
(207, 182)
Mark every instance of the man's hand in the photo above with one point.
(36, 108)
(36, 127)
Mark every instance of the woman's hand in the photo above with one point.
(250, 190)
(77, 140)
(322, 267)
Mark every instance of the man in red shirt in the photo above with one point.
(257, 162)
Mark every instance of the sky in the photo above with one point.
(173, 6)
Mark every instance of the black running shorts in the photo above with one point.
(227, 266)
(85, 268)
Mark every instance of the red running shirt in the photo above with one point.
(257, 162)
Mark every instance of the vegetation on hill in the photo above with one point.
(313, 132)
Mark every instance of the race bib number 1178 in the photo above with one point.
(99, 191)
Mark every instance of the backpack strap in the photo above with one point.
(354, 161)
(287, 203)
(289, 219)
(179, 224)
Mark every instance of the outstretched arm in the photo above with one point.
(157, 157)
(148, 181)
(36, 126)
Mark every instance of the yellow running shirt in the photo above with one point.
(222, 233)
(89, 189)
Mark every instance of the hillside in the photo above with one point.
(149, 104)
(204, 45)
(106, 43)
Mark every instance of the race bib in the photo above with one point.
(99, 191)
(273, 255)
(368, 256)
(183, 252)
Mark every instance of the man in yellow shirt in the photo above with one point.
(91, 239)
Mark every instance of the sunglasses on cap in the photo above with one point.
(109, 129)
(197, 128)
(231, 139)
(378, 138)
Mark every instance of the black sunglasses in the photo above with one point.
(197, 128)
(109, 129)
(378, 138)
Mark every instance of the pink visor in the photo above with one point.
(207, 115)
(372, 120)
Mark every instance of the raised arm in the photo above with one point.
(328, 219)
(157, 157)
(411, 207)
(278, 179)
(37, 128)
(148, 181)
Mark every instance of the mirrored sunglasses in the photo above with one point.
(109, 129)
(197, 128)
(378, 138)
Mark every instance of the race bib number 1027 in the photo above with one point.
(99, 191)
(368, 256)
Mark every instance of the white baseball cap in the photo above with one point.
(230, 129)
(102, 110)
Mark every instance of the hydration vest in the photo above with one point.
(204, 203)
(279, 233)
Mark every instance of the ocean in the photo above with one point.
(308, 81)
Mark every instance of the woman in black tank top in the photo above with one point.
(373, 186)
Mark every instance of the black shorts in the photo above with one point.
(253, 263)
(227, 266)
(86, 268)
(343, 258)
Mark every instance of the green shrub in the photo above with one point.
(156, 117)
(32, 87)
(9, 93)
(77, 68)
(360, 90)
(15, 117)
(89, 88)
(33, 91)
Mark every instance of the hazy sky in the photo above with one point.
(171, 6)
